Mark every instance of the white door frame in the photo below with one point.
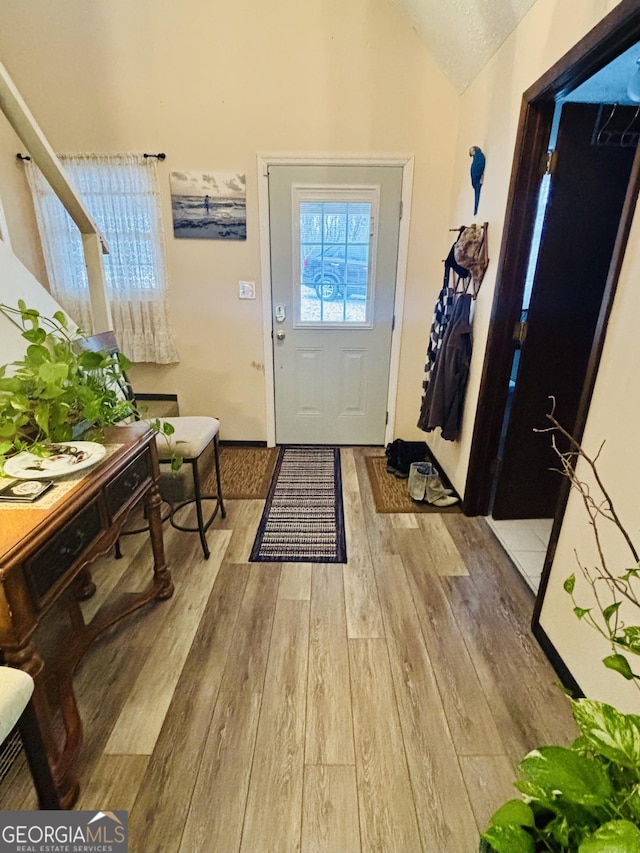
(266, 160)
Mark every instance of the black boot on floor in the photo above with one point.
(392, 456)
(402, 453)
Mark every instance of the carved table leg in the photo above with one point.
(60, 757)
(162, 577)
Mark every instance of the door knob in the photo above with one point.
(280, 335)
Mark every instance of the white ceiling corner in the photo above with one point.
(462, 35)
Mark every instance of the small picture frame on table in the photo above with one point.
(24, 490)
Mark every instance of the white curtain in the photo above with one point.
(121, 193)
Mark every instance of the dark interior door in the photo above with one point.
(588, 187)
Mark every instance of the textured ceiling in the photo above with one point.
(462, 35)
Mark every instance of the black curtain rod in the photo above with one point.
(160, 156)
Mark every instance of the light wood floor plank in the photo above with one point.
(411, 544)
(355, 528)
(157, 819)
(470, 718)
(489, 780)
(494, 603)
(114, 784)
(364, 619)
(348, 469)
(136, 551)
(431, 751)
(329, 730)
(273, 816)
(379, 527)
(500, 590)
(243, 518)
(387, 810)
(521, 718)
(330, 814)
(247, 660)
(141, 719)
(16, 789)
(442, 549)
(216, 812)
(404, 520)
(102, 698)
(295, 581)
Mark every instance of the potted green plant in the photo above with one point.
(581, 799)
(58, 390)
(585, 798)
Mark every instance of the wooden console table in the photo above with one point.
(45, 556)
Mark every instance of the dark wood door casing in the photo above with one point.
(588, 189)
(530, 156)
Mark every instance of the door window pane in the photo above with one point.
(335, 261)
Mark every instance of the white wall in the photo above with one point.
(613, 419)
(489, 115)
(16, 203)
(16, 282)
(18, 278)
(213, 85)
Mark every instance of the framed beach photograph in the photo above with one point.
(209, 205)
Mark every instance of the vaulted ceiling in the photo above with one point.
(462, 35)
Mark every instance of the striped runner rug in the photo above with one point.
(303, 518)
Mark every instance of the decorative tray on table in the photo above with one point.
(69, 458)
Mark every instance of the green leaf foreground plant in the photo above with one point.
(586, 798)
(59, 391)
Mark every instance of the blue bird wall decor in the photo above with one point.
(477, 173)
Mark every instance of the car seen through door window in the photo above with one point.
(336, 271)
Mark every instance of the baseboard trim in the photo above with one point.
(231, 443)
(562, 671)
(172, 398)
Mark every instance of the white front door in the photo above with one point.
(334, 250)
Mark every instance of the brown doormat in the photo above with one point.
(246, 472)
(390, 493)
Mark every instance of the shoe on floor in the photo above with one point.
(445, 500)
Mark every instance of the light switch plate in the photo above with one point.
(246, 290)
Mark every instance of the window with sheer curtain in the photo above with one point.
(121, 193)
